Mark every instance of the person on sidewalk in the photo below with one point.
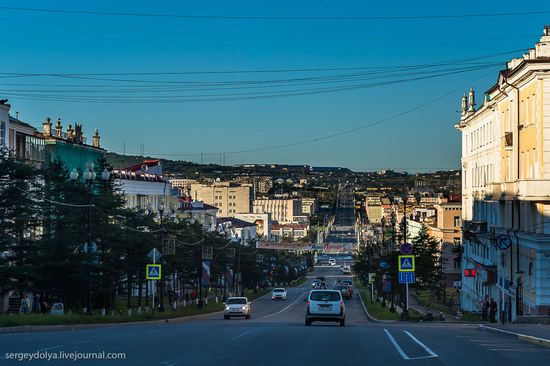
(25, 305)
(493, 310)
(485, 309)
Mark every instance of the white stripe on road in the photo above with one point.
(403, 354)
(47, 349)
(421, 344)
(405, 357)
(243, 334)
(283, 309)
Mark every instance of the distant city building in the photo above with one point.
(262, 222)
(229, 198)
(448, 230)
(204, 214)
(506, 188)
(283, 210)
(146, 190)
(293, 232)
(310, 206)
(183, 184)
(237, 229)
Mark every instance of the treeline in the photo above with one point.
(77, 242)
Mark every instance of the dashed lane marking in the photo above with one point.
(403, 354)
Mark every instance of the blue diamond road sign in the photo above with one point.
(406, 263)
(406, 277)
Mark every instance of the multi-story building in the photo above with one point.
(282, 210)
(262, 222)
(506, 188)
(229, 198)
(283, 232)
(145, 187)
(310, 206)
(447, 228)
(183, 184)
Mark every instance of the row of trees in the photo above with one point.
(46, 220)
(381, 257)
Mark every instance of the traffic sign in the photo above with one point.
(371, 278)
(153, 271)
(504, 242)
(406, 263)
(406, 248)
(407, 277)
(154, 254)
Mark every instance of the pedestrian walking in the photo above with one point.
(25, 305)
(493, 310)
(485, 309)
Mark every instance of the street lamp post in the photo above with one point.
(160, 208)
(105, 176)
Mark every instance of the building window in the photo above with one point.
(2, 133)
(457, 221)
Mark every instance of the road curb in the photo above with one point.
(370, 317)
(523, 337)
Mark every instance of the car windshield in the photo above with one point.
(325, 296)
(236, 301)
(340, 287)
(279, 290)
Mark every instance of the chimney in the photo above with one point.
(471, 101)
(96, 139)
(47, 127)
(58, 128)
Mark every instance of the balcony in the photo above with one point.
(508, 189)
(534, 190)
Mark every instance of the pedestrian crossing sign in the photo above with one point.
(406, 263)
(153, 271)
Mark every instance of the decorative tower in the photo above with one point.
(47, 127)
(70, 132)
(471, 101)
(96, 138)
(58, 128)
(464, 105)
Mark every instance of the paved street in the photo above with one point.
(276, 335)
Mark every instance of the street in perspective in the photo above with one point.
(251, 184)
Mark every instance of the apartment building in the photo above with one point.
(229, 198)
(310, 206)
(282, 210)
(506, 189)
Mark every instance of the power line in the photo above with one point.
(297, 18)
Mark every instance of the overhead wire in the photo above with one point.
(295, 18)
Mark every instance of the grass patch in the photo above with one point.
(7, 320)
(425, 298)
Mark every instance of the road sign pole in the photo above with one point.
(153, 286)
(406, 311)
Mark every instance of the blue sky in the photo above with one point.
(421, 140)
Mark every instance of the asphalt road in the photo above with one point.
(276, 335)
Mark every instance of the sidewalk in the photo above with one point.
(534, 333)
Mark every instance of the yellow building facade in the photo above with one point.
(506, 188)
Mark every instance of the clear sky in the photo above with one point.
(163, 81)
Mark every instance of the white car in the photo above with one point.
(325, 305)
(314, 283)
(346, 270)
(332, 261)
(236, 306)
(278, 294)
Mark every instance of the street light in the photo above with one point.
(160, 208)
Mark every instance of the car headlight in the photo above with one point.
(227, 308)
(243, 308)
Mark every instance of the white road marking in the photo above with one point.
(243, 334)
(432, 353)
(401, 352)
(80, 342)
(47, 349)
(283, 309)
